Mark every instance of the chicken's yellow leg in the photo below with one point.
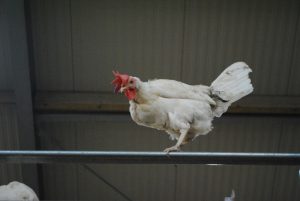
(177, 146)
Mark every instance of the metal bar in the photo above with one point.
(121, 157)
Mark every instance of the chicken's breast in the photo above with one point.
(171, 115)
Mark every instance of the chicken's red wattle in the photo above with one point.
(130, 93)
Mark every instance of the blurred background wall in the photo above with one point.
(56, 58)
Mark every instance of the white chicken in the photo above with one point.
(16, 191)
(183, 111)
(231, 198)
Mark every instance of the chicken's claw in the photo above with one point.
(172, 149)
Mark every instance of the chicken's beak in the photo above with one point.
(123, 89)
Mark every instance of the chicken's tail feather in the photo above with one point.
(231, 85)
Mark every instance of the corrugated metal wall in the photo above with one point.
(8, 118)
(76, 44)
(5, 71)
(262, 33)
(9, 140)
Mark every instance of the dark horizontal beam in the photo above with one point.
(121, 157)
(63, 102)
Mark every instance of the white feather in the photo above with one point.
(231, 198)
(175, 89)
(231, 85)
(17, 191)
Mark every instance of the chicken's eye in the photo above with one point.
(131, 82)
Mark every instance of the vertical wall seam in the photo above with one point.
(72, 49)
(276, 168)
(175, 181)
(183, 38)
(76, 165)
(33, 81)
(293, 51)
(19, 64)
(30, 46)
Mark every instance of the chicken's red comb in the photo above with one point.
(120, 79)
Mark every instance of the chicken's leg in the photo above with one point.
(177, 146)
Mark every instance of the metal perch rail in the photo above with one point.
(122, 157)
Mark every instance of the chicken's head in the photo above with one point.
(125, 83)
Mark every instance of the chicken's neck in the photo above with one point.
(144, 94)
